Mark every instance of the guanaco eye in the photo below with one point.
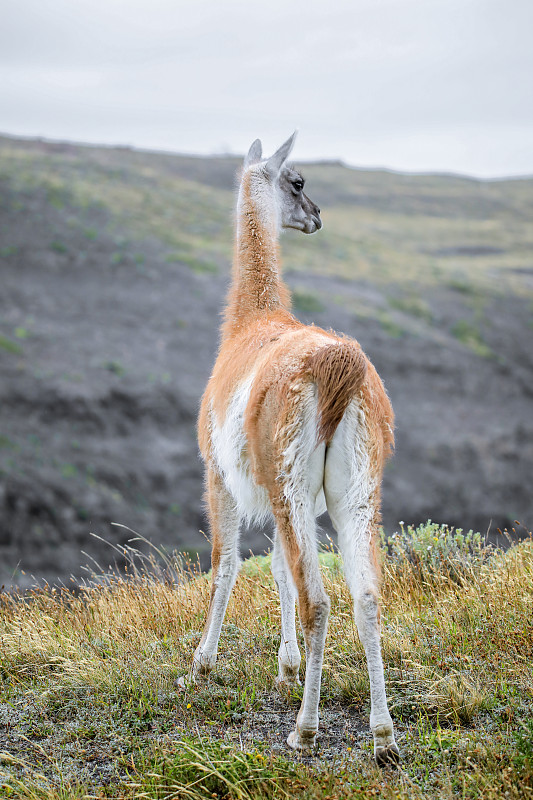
(298, 185)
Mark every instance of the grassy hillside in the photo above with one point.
(115, 265)
(89, 705)
(382, 226)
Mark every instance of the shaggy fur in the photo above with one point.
(293, 418)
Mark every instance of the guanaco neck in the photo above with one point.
(257, 288)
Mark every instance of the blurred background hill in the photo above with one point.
(114, 268)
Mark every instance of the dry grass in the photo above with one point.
(95, 671)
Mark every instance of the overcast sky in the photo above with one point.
(415, 85)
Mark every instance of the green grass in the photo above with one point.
(468, 334)
(21, 333)
(390, 229)
(307, 302)
(58, 247)
(413, 305)
(205, 769)
(141, 196)
(8, 346)
(7, 251)
(198, 265)
(91, 709)
(115, 367)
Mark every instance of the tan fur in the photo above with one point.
(339, 371)
(306, 607)
(214, 486)
(257, 287)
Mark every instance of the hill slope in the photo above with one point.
(114, 268)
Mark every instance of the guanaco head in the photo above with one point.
(295, 208)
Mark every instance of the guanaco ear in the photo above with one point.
(275, 162)
(254, 154)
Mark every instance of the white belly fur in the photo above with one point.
(229, 445)
(230, 452)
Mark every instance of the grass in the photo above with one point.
(89, 706)
(414, 231)
(8, 346)
(413, 306)
(307, 302)
(469, 335)
(143, 196)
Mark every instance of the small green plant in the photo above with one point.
(58, 246)
(434, 551)
(469, 335)
(199, 265)
(69, 471)
(56, 194)
(306, 302)
(117, 258)
(390, 327)
(10, 347)
(413, 305)
(461, 285)
(115, 367)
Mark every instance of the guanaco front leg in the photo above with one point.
(224, 526)
(289, 657)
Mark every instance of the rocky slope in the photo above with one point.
(114, 266)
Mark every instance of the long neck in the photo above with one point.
(257, 287)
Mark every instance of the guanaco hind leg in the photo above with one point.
(352, 494)
(297, 532)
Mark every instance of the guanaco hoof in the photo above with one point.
(305, 742)
(387, 756)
